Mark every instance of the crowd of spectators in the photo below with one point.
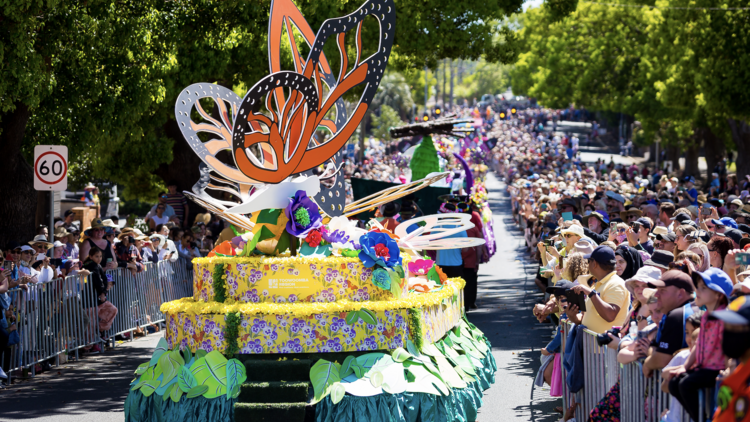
(655, 262)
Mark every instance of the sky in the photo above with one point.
(532, 3)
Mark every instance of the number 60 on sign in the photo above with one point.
(50, 167)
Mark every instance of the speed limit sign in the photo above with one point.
(50, 167)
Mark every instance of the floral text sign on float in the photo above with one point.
(274, 280)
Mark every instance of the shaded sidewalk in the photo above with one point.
(93, 389)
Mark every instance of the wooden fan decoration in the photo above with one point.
(270, 132)
(434, 234)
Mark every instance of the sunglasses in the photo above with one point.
(163, 196)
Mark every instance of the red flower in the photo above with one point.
(382, 251)
(266, 267)
(313, 238)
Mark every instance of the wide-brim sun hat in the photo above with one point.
(41, 239)
(95, 224)
(645, 275)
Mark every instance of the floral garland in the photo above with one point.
(220, 286)
(270, 260)
(231, 333)
(414, 300)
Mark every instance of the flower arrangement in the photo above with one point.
(303, 215)
(420, 266)
(379, 249)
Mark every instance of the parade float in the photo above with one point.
(304, 314)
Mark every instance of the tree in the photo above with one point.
(387, 119)
(488, 78)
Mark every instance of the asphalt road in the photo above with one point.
(95, 389)
(92, 390)
(506, 296)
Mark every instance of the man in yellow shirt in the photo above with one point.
(608, 299)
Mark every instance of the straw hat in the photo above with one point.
(204, 218)
(90, 186)
(95, 224)
(61, 232)
(40, 238)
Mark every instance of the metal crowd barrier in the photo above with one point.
(641, 398)
(61, 317)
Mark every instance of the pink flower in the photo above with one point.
(421, 266)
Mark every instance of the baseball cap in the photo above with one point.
(560, 287)
(644, 223)
(744, 228)
(716, 280)
(669, 237)
(602, 255)
(729, 222)
(674, 278)
(738, 312)
(681, 218)
(734, 234)
(615, 196)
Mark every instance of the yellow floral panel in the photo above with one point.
(290, 280)
(440, 318)
(280, 334)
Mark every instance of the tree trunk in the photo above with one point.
(713, 147)
(184, 166)
(673, 154)
(453, 74)
(741, 138)
(691, 159)
(19, 199)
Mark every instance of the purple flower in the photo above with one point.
(336, 236)
(303, 215)
(292, 298)
(370, 343)
(334, 344)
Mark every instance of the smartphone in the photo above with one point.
(743, 258)
(567, 216)
(636, 227)
(705, 210)
(613, 226)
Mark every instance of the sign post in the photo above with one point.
(51, 175)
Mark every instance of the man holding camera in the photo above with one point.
(608, 299)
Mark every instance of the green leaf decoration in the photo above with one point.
(150, 386)
(399, 269)
(346, 367)
(176, 394)
(464, 376)
(235, 391)
(337, 392)
(235, 376)
(465, 364)
(161, 347)
(320, 250)
(212, 373)
(358, 369)
(412, 349)
(186, 380)
(200, 353)
(167, 393)
(396, 286)
(423, 381)
(349, 253)
(433, 275)
(367, 316)
(197, 391)
(376, 378)
(141, 369)
(447, 373)
(284, 241)
(400, 355)
(146, 377)
(323, 375)
(269, 216)
(170, 364)
(351, 317)
(187, 355)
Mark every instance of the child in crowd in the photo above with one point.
(706, 360)
(692, 330)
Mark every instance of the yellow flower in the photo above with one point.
(189, 305)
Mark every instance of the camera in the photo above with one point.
(603, 338)
(131, 240)
(743, 258)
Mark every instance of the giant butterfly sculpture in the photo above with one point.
(270, 132)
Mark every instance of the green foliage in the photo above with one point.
(231, 333)
(487, 78)
(220, 287)
(425, 160)
(382, 124)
